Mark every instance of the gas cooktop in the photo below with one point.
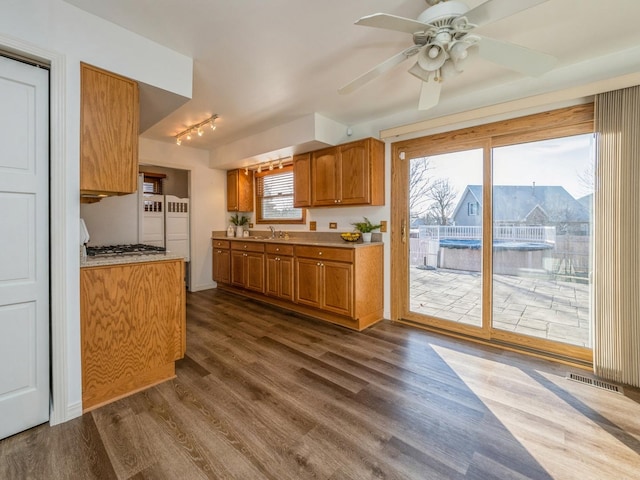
(120, 250)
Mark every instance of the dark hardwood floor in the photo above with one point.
(265, 394)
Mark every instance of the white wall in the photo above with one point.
(207, 193)
(62, 31)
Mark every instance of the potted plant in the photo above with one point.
(365, 228)
(239, 222)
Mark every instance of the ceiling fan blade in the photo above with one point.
(393, 22)
(378, 70)
(515, 57)
(494, 10)
(429, 94)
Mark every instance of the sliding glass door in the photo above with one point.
(445, 259)
(542, 224)
(492, 235)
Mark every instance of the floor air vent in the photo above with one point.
(595, 383)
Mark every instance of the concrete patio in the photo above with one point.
(552, 309)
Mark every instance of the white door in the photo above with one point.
(24, 246)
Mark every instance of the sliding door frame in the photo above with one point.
(553, 124)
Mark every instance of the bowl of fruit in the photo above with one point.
(350, 236)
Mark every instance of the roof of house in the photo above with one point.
(515, 203)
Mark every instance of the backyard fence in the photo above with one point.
(515, 233)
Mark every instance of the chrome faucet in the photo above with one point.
(273, 231)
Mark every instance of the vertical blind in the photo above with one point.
(616, 276)
(275, 197)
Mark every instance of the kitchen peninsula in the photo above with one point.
(318, 275)
(132, 314)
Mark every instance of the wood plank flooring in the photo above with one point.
(265, 394)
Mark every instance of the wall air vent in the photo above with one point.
(595, 383)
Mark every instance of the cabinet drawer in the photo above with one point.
(220, 243)
(278, 249)
(248, 246)
(326, 253)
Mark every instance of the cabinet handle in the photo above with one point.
(277, 249)
(319, 253)
(318, 264)
(244, 247)
(403, 231)
(219, 251)
(244, 254)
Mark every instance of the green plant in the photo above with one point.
(366, 226)
(238, 221)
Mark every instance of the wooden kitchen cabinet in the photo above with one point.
(279, 276)
(325, 283)
(302, 180)
(109, 118)
(132, 327)
(348, 174)
(342, 285)
(239, 191)
(247, 266)
(221, 258)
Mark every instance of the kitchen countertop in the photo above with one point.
(124, 259)
(298, 241)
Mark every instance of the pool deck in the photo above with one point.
(551, 309)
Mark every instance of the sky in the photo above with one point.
(558, 161)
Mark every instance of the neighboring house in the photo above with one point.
(525, 205)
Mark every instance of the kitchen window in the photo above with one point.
(274, 197)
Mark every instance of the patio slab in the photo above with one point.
(551, 309)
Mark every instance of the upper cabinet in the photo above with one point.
(348, 174)
(109, 116)
(239, 191)
(302, 180)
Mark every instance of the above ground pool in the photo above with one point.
(475, 244)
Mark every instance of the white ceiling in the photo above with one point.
(258, 64)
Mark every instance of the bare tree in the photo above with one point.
(442, 195)
(587, 179)
(419, 183)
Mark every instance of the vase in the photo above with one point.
(366, 236)
(239, 231)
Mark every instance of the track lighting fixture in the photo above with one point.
(197, 128)
(269, 165)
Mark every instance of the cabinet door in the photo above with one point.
(308, 273)
(238, 274)
(285, 268)
(302, 180)
(325, 177)
(232, 190)
(108, 132)
(221, 265)
(272, 276)
(355, 177)
(337, 287)
(254, 271)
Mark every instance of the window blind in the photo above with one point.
(274, 193)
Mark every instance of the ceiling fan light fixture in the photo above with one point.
(432, 56)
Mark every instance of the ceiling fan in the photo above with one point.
(442, 39)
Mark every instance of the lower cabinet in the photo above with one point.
(279, 263)
(342, 285)
(132, 327)
(247, 266)
(221, 261)
(325, 284)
